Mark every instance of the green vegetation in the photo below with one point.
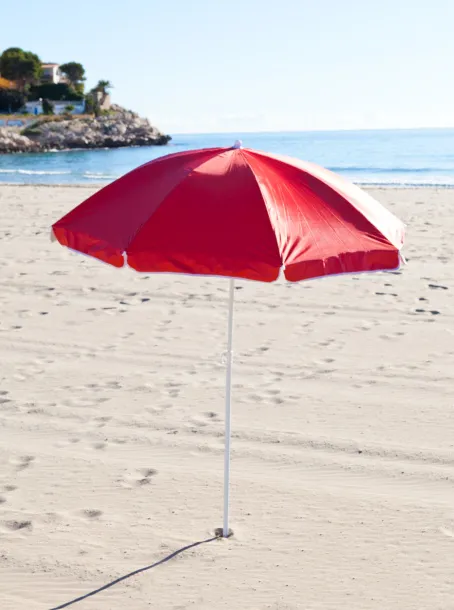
(97, 97)
(11, 100)
(104, 87)
(31, 131)
(56, 93)
(79, 88)
(90, 104)
(23, 67)
(75, 73)
(48, 107)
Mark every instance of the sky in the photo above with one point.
(196, 66)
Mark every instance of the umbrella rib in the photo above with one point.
(331, 212)
(275, 230)
(302, 218)
(314, 172)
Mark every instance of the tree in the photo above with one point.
(11, 100)
(9, 62)
(74, 72)
(48, 107)
(69, 108)
(104, 87)
(90, 104)
(21, 66)
(79, 88)
(57, 92)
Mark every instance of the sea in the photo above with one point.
(399, 158)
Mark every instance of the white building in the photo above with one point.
(59, 107)
(52, 74)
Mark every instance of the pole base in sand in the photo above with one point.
(219, 533)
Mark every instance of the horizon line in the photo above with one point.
(324, 130)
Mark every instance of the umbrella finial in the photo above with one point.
(238, 144)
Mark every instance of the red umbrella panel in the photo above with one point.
(237, 213)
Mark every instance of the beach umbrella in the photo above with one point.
(237, 213)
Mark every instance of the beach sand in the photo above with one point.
(111, 427)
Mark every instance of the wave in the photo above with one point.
(32, 172)
(363, 176)
(74, 176)
(429, 183)
(99, 176)
(339, 169)
(390, 170)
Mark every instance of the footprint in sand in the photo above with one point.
(146, 473)
(211, 415)
(79, 402)
(15, 525)
(142, 477)
(91, 513)
(434, 312)
(66, 442)
(113, 385)
(204, 419)
(100, 422)
(23, 462)
(173, 389)
(277, 400)
(254, 398)
(447, 532)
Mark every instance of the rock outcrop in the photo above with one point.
(118, 129)
(12, 142)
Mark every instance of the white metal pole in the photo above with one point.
(228, 394)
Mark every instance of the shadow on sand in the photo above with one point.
(138, 571)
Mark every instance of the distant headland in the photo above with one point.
(44, 106)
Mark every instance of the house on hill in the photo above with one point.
(52, 74)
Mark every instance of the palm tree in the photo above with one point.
(104, 87)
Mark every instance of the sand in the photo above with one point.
(111, 428)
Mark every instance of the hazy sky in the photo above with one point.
(255, 65)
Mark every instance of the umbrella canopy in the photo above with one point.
(237, 213)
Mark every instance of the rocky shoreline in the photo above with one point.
(118, 129)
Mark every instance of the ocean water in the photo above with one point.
(419, 157)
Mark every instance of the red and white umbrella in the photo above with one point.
(237, 213)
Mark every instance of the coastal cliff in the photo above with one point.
(119, 128)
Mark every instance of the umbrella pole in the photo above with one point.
(228, 393)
